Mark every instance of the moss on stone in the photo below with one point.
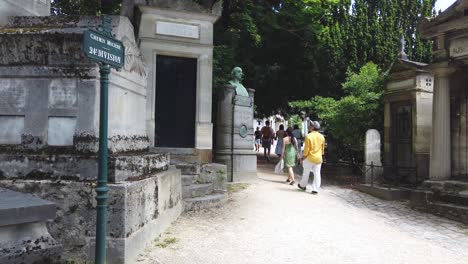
(237, 187)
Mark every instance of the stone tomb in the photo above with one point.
(235, 135)
(449, 147)
(49, 122)
(407, 120)
(176, 39)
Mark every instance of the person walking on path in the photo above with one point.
(267, 137)
(312, 157)
(280, 134)
(290, 154)
(299, 138)
(258, 139)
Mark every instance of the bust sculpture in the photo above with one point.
(236, 77)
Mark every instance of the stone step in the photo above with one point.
(196, 190)
(456, 199)
(445, 186)
(208, 201)
(127, 167)
(189, 168)
(451, 211)
(188, 180)
(79, 167)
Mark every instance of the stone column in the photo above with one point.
(440, 161)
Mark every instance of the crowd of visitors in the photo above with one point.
(288, 148)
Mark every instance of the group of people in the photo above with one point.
(288, 148)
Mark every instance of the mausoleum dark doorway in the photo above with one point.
(403, 160)
(402, 133)
(176, 86)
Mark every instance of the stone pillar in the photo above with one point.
(235, 135)
(387, 133)
(440, 161)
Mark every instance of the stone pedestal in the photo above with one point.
(235, 134)
(24, 237)
(440, 159)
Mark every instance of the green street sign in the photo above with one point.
(105, 49)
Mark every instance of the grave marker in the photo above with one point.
(372, 156)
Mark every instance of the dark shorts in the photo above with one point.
(266, 143)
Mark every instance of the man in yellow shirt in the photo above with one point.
(312, 157)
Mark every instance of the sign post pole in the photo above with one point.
(101, 46)
(101, 188)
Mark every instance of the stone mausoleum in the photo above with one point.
(176, 39)
(445, 192)
(407, 121)
(160, 126)
(449, 144)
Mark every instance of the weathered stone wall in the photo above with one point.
(78, 167)
(49, 102)
(49, 90)
(23, 8)
(49, 123)
(138, 211)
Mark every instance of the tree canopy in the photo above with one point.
(347, 119)
(297, 49)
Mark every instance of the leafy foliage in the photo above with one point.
(347, 119)
(296, 49)
(295, 120)
(85, 7)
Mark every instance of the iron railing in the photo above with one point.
(390, 175)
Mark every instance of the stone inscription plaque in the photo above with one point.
(242, 116)
(459, 47)
(60, 131)
(177, 30)
(11, 95)
(11, 129)
(62, 94)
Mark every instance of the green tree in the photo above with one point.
(85, 7)
(346, 120)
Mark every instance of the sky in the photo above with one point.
(443, 4)
(440, 4)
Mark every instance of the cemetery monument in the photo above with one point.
(235, 129)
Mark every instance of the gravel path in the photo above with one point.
(271, 222)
